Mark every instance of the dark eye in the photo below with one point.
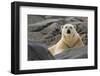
(65, 27)
(70, 27)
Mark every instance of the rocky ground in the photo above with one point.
(46, 29)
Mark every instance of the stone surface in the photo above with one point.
(46, 30)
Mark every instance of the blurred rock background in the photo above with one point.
(46, 30)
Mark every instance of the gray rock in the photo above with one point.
(73, 53)
(38, 52)
(47, 29)
(41, 25)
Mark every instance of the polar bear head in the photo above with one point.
(68, 30)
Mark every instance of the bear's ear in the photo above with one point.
(61, 26)
(75, 26)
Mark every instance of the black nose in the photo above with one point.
(68, 31)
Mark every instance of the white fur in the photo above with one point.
(69, 39)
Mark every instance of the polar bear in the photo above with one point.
(69, 39)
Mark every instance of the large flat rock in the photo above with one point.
(73, 53)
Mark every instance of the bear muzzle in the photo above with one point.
(68, 31)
